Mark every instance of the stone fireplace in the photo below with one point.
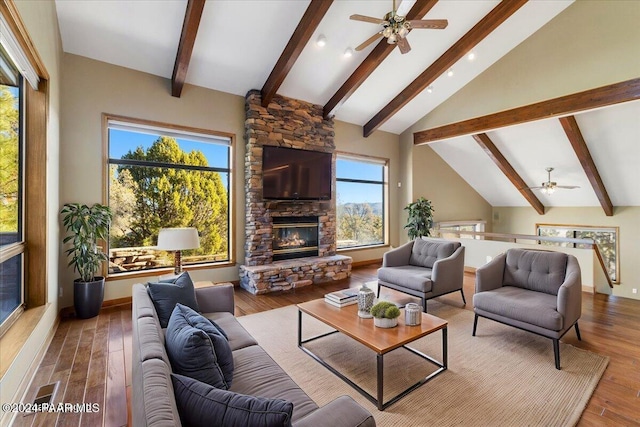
(269, 263)
(295, 237)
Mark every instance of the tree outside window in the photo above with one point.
(166, 179)
(361, 188)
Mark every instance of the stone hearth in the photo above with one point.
(295, 124)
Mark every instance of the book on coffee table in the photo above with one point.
(341, 304)
(343, 295)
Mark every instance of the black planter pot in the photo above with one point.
(87, 297)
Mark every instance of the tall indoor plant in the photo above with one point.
(420, 219)
(85, 226)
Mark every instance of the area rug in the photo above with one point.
(501, 377)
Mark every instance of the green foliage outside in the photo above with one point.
(145, 199)
(385, 309)
(357, 222)
(9, 161)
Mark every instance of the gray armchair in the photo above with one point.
(537, 291)
(425, 268)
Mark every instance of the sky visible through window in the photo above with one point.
(350, 169)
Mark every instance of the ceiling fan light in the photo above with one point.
(392, 39)
(322, 40)
(387, 32)
(348, 53)
(403, 31)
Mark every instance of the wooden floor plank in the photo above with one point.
(116, 397)
(609, 326)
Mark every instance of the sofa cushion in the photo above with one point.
(408, 276)
(200, 404)
(197, 349)
(540, 271)
(166, 293)
(238, 336)
(534, 308)
(257, 374)
(426, 252)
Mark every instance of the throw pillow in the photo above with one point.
(199, 404)
(198, 349)
(167, 293)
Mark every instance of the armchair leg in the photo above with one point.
(464, 301)
(424, 305)
(379, 288)
(556, 352)
(475, 325)
(578, 332)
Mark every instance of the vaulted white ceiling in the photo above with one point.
(239, 42)
(611, 134)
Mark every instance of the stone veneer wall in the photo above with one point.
(289, 123)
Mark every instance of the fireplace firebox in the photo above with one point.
(295, 237)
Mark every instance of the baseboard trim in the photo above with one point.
(365, 263)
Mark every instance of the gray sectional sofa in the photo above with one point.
(255, 372)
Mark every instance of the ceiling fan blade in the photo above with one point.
(568, 187)
(368, 41)
(436, 24)
(364, 18)
(403, 44)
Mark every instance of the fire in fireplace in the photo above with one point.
(295, 237)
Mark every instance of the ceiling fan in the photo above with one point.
(395, 28)
(549, 187)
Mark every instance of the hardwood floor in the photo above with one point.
(91, 358)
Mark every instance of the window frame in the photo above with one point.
(381, 161)
(172, 130)
(575, 227)
(34, 120)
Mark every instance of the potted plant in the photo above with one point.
(420, 219)
(385, 314)
(85, 226)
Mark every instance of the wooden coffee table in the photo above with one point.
(380, 340)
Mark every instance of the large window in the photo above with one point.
(12, 242)
(361, 202)
(166, 177)
(606, 238)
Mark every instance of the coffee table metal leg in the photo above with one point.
(444, 347)
(380, 381)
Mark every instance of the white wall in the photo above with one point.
(41, 22)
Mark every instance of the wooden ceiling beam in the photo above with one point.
(579, 145)
(185, 47)
(482, 29)
(371, 62)
(498, 158)
(303, 32)
(565, 105)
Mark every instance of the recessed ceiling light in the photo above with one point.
(450, 72)
(471, 56)
(322, 40)
(429, 89)
(348, 53)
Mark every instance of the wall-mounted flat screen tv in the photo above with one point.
(292, 174)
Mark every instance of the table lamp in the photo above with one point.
(178, 239)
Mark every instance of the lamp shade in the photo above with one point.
(177, 239)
